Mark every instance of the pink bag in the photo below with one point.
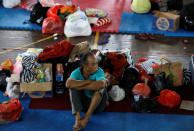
(53, 25)
(17, 67)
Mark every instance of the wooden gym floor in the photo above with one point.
(13, 42)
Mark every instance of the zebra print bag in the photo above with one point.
(28, 64)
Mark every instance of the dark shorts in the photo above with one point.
(80, 102)
(102, 104)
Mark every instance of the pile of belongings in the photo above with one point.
(68, 19)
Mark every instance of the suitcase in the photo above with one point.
(191, 67)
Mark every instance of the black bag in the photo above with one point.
(145, 105)
(171, 5)
(187, 17)
(129, 79)
(159, 83)
(175, 4)
(38, 14)
(3, 74)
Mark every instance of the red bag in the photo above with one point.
(53, 25)
(169, 98)
(10, 110)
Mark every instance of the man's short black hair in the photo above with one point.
(84, 57)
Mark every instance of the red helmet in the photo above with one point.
(142, 90)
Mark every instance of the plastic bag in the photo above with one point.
(53, 25)
(17, 67)
(10, 110)
(7, 64)
(11, 3)
(52, 12)
(66, 10)
(169, 98)
(77, 25)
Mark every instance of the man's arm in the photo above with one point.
(94, 85)
(76, 84)
(85, 84)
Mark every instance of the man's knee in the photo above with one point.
(97, 94)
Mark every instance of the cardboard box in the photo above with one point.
(44, 88)
(165, 21)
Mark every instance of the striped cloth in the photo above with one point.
(103, 21)
(28, 64)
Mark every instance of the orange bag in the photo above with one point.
(7, 64)
(52, 12)
(66, 10)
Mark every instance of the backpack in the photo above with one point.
(38, 14)
(187, 17)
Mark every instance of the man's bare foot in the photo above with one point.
(77, 126)
(84, 122)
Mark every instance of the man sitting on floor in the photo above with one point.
(87, 90)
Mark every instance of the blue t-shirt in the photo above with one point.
(98, 75)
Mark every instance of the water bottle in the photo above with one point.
(60, 88)
(68, 2)
(136, 97)
(59, 73)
